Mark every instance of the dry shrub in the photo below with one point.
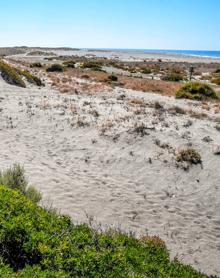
(136, 101)
(147, 85)
(177, 110)
(189, 155)
(155, 240)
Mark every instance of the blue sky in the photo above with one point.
(146, 24)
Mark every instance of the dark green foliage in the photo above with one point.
(69, 64)
(37, 243)
(14, 178)
(10, 75)
(55, 68)
(189, 155)
(30, 77)
(145, 71)
(175, 77)
(113, 78)
(36, 65)
(217, 71)
(196, 91)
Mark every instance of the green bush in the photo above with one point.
(145, 71)
(30, 77)
(14, 178)
(189, 155)
(37, 243)
(69, 64)
(10, 75)
(55, 68)
(196, 91)
(175, 77)
(36, 65)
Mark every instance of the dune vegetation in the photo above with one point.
(196, 90)
(14, 76)
(10, 75)
(37, 242)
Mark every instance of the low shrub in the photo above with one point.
(36, 65)
(92, 65)
(175, 77)
(189, 155)
(69, 64)
(55, 68)
(35, 242)
(216, 80)
(113, 78)
(30, 77)
(10, 75)
(196, 90)
(14, 178)
(145, 71)
(217, 71)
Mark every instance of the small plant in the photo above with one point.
(113, 78)
(55, 68)
(175, 77)
(92, 65)
(145, 71)
(33, 194)
(36, 65)
(189, 155)
(14, 178)
(69, 64)
(196, 90)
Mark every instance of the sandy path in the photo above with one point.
(96, 165)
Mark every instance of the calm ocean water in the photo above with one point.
(182, 52)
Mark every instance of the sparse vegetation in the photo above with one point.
(55, 68)
(196, 91)
(92, 65)
(175, 77)
(35, 242)
(189, 155)
(41, 53)
(10, 75)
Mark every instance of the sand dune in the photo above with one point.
(86, 156)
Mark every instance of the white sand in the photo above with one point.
(82, 153)
(123, 56)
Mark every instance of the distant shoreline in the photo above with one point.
(194, 53)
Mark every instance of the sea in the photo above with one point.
(204, 53)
